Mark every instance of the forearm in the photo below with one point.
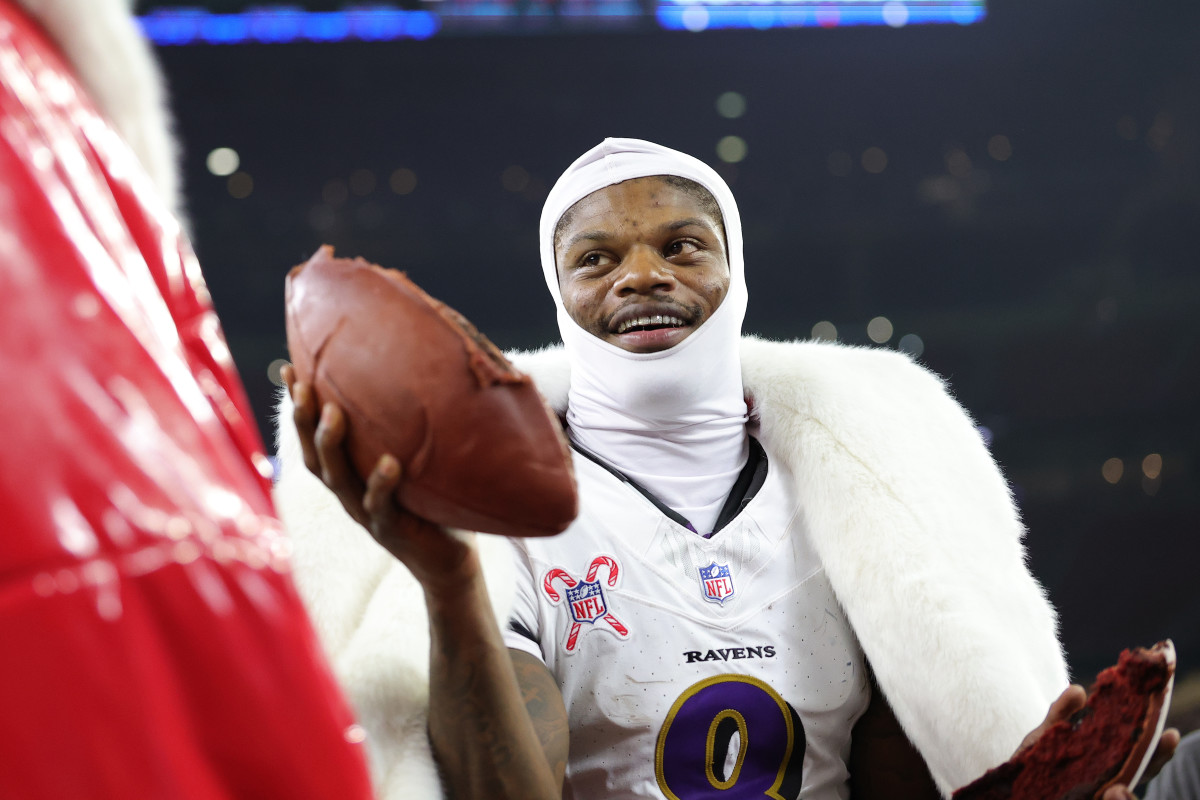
(482, 736)
(883, 764)
(481, 733)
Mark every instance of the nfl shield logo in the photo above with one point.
(717, 582)
(587, 601)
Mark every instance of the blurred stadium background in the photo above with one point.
(1009, 193)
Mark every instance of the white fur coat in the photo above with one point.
(912, 519)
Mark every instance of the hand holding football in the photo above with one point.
(479, 448)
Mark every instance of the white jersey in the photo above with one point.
(692, 668)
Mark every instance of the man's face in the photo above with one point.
(641, 264)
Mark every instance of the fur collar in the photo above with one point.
(911, 517)
(116, 65)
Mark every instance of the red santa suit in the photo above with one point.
(153, 644)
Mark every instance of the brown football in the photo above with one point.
(478, 446)
(1109, 741)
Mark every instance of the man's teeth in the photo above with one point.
(658, 321)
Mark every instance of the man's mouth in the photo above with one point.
(650, 323)
(647, 327)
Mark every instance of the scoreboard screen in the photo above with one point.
(240, 21)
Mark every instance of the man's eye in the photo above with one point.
(680, 247)
(593, 260)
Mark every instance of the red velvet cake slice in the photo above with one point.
(1110, 740)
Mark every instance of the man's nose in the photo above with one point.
(644, 271)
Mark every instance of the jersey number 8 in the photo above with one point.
(696, 743)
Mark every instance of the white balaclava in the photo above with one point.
(675, 420)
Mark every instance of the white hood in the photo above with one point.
(674, 420)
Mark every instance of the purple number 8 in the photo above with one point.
(697, 736)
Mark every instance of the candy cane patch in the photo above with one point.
(586, 599)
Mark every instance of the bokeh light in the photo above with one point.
(825, 330)
(731, 105)
(958, 163)
(999, 147)
(695, 18)
(874, 160)
(895, 14)
(223, 161)
(880, 330)
(514, 178)
(240, 185)
(912, 344)
(273, 371)
(1161, 131)
(1152, 466)
(403, 181)
(731, 149)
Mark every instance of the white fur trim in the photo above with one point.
(921, 540)
(549, 371)
(116, 65)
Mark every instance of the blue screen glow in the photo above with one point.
(284, 24)
(279, 24)
(698, 16)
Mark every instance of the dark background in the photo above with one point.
(1058, 291)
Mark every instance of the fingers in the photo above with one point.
(1073, 698)
(380, 486)
(321, 440)
(420, 544)
(304, 416)
(423, 546)
(335, 467)
(1162, 752)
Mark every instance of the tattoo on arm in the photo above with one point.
(544, 703)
